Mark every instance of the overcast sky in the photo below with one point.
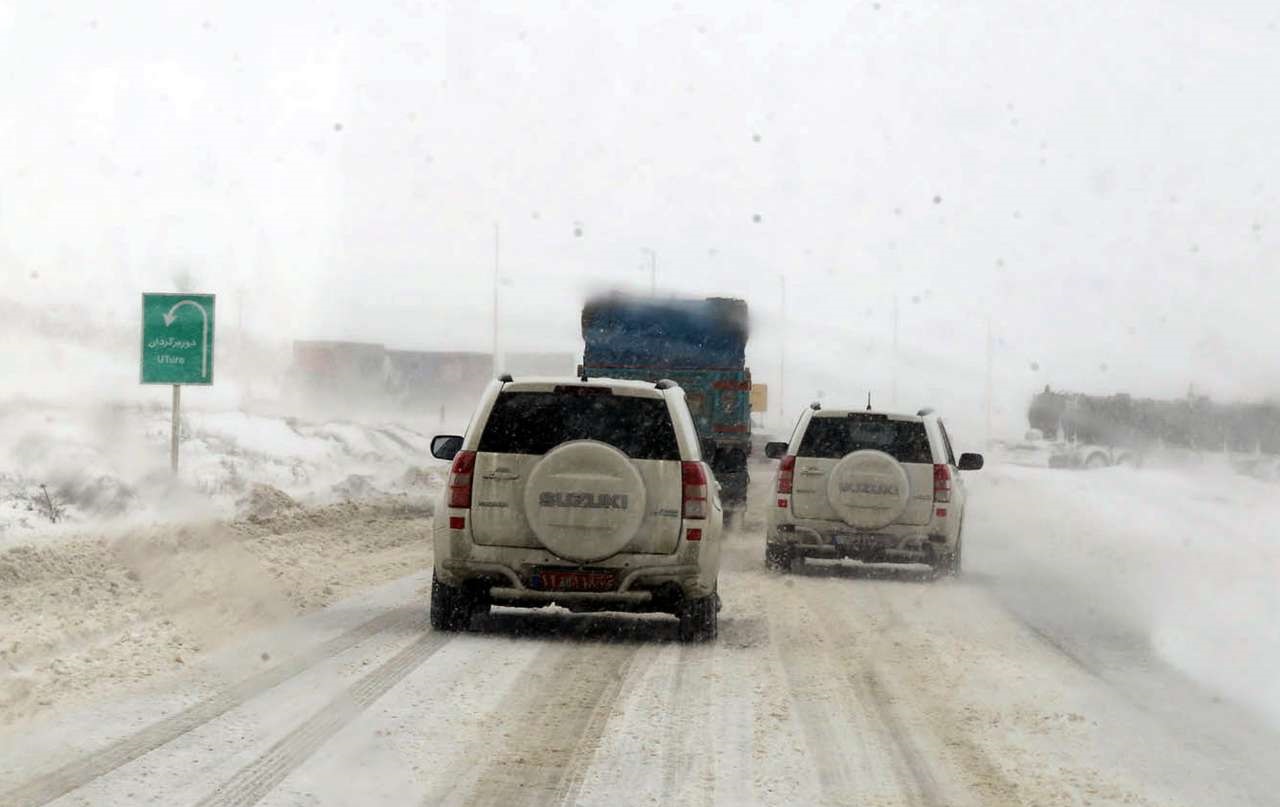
(1099, 180)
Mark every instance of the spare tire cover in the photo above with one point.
(584, 500)
(869, 489)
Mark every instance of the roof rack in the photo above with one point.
(928, 410)
(665, 383)
(815, 406)
(506, 378)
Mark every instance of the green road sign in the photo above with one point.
(177, 338)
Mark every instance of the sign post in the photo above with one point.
(177, 348)
(174, 428)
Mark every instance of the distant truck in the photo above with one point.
(699, 344)
(1136, 424)
(1089, 456)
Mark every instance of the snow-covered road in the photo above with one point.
(1024, 682)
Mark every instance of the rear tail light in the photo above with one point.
(695, 489)
(464, 464)
(941, 483)
(786, 474)
(693, 535)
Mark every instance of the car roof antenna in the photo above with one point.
(868, 400)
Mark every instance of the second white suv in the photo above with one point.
(878, 487)
(592, 495)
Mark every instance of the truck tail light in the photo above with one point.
(464, 464)
(786, 474)
(695, 489)
(941, 483)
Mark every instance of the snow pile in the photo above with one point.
(417, 478)
(1188, 561)
(82, 615)
(62, 466)
(263, 503)
(355, 487)
(82, 442)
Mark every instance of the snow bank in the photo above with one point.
(83, 615)
(75, 420)
(1186, 560)
(105, 464)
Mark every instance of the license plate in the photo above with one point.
(560, 580)
(857, 541)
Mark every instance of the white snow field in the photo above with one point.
(109, 465)
(1112, 642)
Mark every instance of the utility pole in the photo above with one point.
(240, 320)
(893, 385)
(782, 357)
(989, 362)
(653, 270)
(497, 244)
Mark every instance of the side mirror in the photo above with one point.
(445, 446)
(775, 451)
(971, 462)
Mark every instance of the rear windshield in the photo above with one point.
(536, 422)
(834, 437)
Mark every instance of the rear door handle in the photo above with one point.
(502, 477)
(811, 472)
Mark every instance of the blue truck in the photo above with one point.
(699, 344)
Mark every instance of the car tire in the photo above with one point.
(732, 518)
(778, 557)
(699, 619)
(948, 564)
(451, 607)
(1096, 460)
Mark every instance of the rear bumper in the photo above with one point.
(524, 596)
(896, 544)
(641, 589)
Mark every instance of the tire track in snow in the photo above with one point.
(556, 726)
(575, 769)
(812, 705)
(908, 750)
(88, 767)
(690, 696)
(857, 756)
(893, 691)
(255, 780)
(870, 691)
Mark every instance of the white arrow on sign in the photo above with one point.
(204, 354)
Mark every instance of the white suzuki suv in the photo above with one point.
(873, 486)
(592, 495)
